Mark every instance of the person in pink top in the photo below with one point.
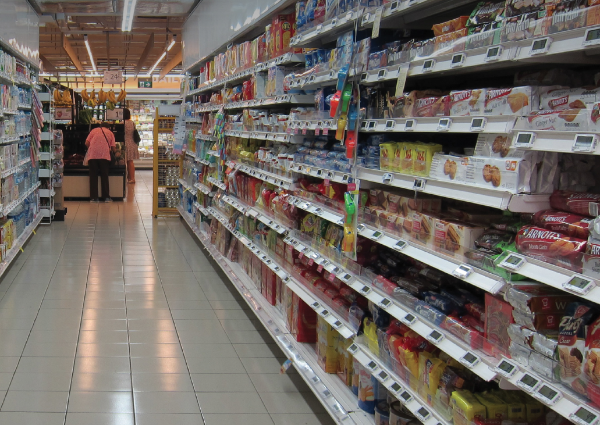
(100, 142)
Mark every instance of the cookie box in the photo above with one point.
(512, 175)
(496, 146)
(449, 168)
(467, 102)
(518, 101)
(561, 98)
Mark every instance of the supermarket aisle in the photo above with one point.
(115, 318)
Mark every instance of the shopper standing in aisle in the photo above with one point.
(131, 147)
(100, 143)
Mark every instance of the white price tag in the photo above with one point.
(469, 359)
(463, 271)
(419, 184)
(353, 349)
(513, 262)
(387, 178)
(410, 125)
(458, 60)
(444, 124)
(405, 397)
(528, 383)
(423, 414)
(383, 376)
(372, 365)
(365, 290)
(428, 65)
(585, 143)
(584, 415)
(579, 284)
(493, 53)
(506, 368)
(376, 235)
(333, 22)
(548, 394)
(400, 245)
(381, 74)
(524, 140)
(540, 46)
(372, 125)
(385, 303)
(478, 124)
(592, 37)
(393, 6)
(435, 337)
(390, 124)
(396, 387)
(409, 319)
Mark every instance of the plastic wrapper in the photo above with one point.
(537, 321)
(519, 353)
(542, 364)
(576, 98)
(576, 202)
(405, 298)
(563, 222)
(537, 298)
(551, 247)
(486, 12)
(450, 26)
(520, 334)
(430, 313)
(545, 345)
(465, 333)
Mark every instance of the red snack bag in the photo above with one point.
(551, 247)
(498, 315)
(577, 202)
(476, 310)
(474, 323)
(384, 284)
(563, 222)
(463, 331)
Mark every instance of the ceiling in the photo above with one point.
(101, 21)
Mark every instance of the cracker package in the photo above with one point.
(467, 102)
(561, 98)
(465, 407)
(514, 175)
(423, 153)
(571, 341)
(518, 101)
(486, 12)
(495, 407)
(575, 119)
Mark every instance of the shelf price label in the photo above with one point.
(405, 397)
(463, 271)
(400, 245)
(409, 319)
(365, 290)
(540, 46)
(585, 143)
(387, 178)
(444, 124)
(390, 124)
(419, 185)
(506, 368)
(458, 60)
(385, 303)
(529, 383)
(579, 284)
(524, 140)
(428, 65)
(493, 53)
(376, 235)
(410, 125)
(478, 124)
(396, 387)
(372, 126)
(513, 262)
(469, 359)
(435, 337)
(423, 414)
(372, 365)
(548, 394)
(592, 37)
(383, 376)
(584, 415)
(353, 349)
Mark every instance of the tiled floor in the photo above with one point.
(115, 318)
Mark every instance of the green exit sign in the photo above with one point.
(145, 83)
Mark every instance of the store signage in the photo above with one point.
(113, 77)
(62, 114)
(144, 83)
(114, 115)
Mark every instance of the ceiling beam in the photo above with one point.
(145, 54)
(48, 67)
(176, 60)
(73, 55)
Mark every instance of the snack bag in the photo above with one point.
(551, 247)
(591, 365)
(563, 222)
(466, 407)
(495, 407)
(423, 158)
(571, 342)
(576, 202)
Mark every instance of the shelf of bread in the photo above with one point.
(471, 124)
(397, 386)
(495, 198)
(444, 262)
(319, 210)
(330, 390)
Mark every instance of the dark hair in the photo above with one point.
(126, 114)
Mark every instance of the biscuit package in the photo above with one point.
(591, 365)
(578, 98)
(567, 223)
(511, 101)
(571, 343)
(466, 102)
(551, 247)
(449, 168)
(515, 175)
(486, 12)
(575, 119)
(577, 202)
(496, 146)
(450, 26)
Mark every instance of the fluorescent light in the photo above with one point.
(173, 41)
(128, 14)
(156, 64)
(87, 46)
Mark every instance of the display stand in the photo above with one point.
(167, 165)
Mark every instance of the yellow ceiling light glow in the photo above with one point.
(87, 46)
(156, 64)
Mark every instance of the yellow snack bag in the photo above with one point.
(430, 371)
(465, 407)
(386, 156)
(407, 158)
(423, 154)
(494, 406)
(535, 410)
(516, 406)
(370, 330)
(397, 159)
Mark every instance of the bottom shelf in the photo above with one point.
(11, 254)
(337, 398)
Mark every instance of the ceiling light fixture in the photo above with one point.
(173, 41)
(156, 64)
(87, 46)
(128, 13)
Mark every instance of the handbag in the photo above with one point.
(113, 159)
(136, 136)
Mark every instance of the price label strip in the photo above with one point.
(579, 284)
(585, 143)
(524, 140)
(513, 262)
(584, 415)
